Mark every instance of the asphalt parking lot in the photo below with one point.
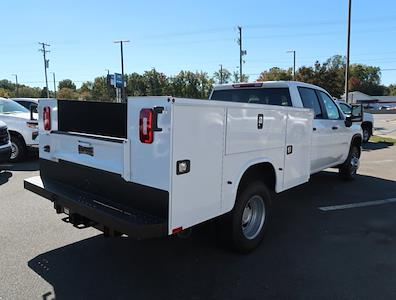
(308, 253)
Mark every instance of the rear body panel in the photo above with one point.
(112, 167)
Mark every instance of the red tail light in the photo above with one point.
(146, 126)
(47, 118)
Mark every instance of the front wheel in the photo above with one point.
(349, 168)
(366, 134)
(246, 224)
(18, 149)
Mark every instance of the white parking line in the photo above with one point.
(358, 204)
(379, 161)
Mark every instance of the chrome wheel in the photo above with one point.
(14, 150)
(355, 162)
(253, 217)
(366, 135)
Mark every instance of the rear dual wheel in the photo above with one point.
(244, 227)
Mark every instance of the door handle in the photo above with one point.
(334, 127)
(314, 129)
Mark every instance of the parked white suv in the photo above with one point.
(22, 126)
(5, 143)
(367, 122)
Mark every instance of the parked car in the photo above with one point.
(367, 123)
(156, 166)
(5, 143)
(22, 126)
(29, 103)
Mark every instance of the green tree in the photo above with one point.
(156, 83)
(222, 76)
(85, 91)
(66, 83)
(275, 74)
(67, 93)
(5, 93)
(43, 92)
(188, 84)
(366, 79)
(136, 85)
(235, 77)
(100, 90)
(391, 90)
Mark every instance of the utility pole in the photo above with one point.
(348, 50)
(53, 77)
(294, 62)
(221, 74)
(241, 54)
(123, 96)
(46, 64)
(16, 85)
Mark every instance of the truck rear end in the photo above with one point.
(106, 165)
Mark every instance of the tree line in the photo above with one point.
(328, 74)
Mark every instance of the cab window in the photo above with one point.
(310, 100)
(270, 96)
(331, 108)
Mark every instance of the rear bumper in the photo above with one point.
(5, 154)
(89, 210)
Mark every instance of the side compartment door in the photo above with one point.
(198, 140)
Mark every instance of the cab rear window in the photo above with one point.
(269, 96)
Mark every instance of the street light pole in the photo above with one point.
(294, 62)
(16, 85)
(53, 77)
(123, 96)
(221, 74)
(347, 54)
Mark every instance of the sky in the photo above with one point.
(179, 35)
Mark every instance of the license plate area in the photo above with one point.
(88, 150)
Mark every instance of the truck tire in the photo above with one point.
(349, 168)
(367, 132)
(18, 149)
(244, 227)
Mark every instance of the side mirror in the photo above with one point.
(357, 113)
(348, 121)
(32, 110)
(355, 116)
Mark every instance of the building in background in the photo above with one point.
(372, 102)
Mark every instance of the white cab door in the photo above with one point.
(321, 143)
(336, 128)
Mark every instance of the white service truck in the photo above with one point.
(155, 166)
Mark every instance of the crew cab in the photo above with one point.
(22, 126)
(367, 120)
(160, 165)
(5, 143)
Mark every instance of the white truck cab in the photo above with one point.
(22, 126)
(161, 165)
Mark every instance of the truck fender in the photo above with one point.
(233, 193)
